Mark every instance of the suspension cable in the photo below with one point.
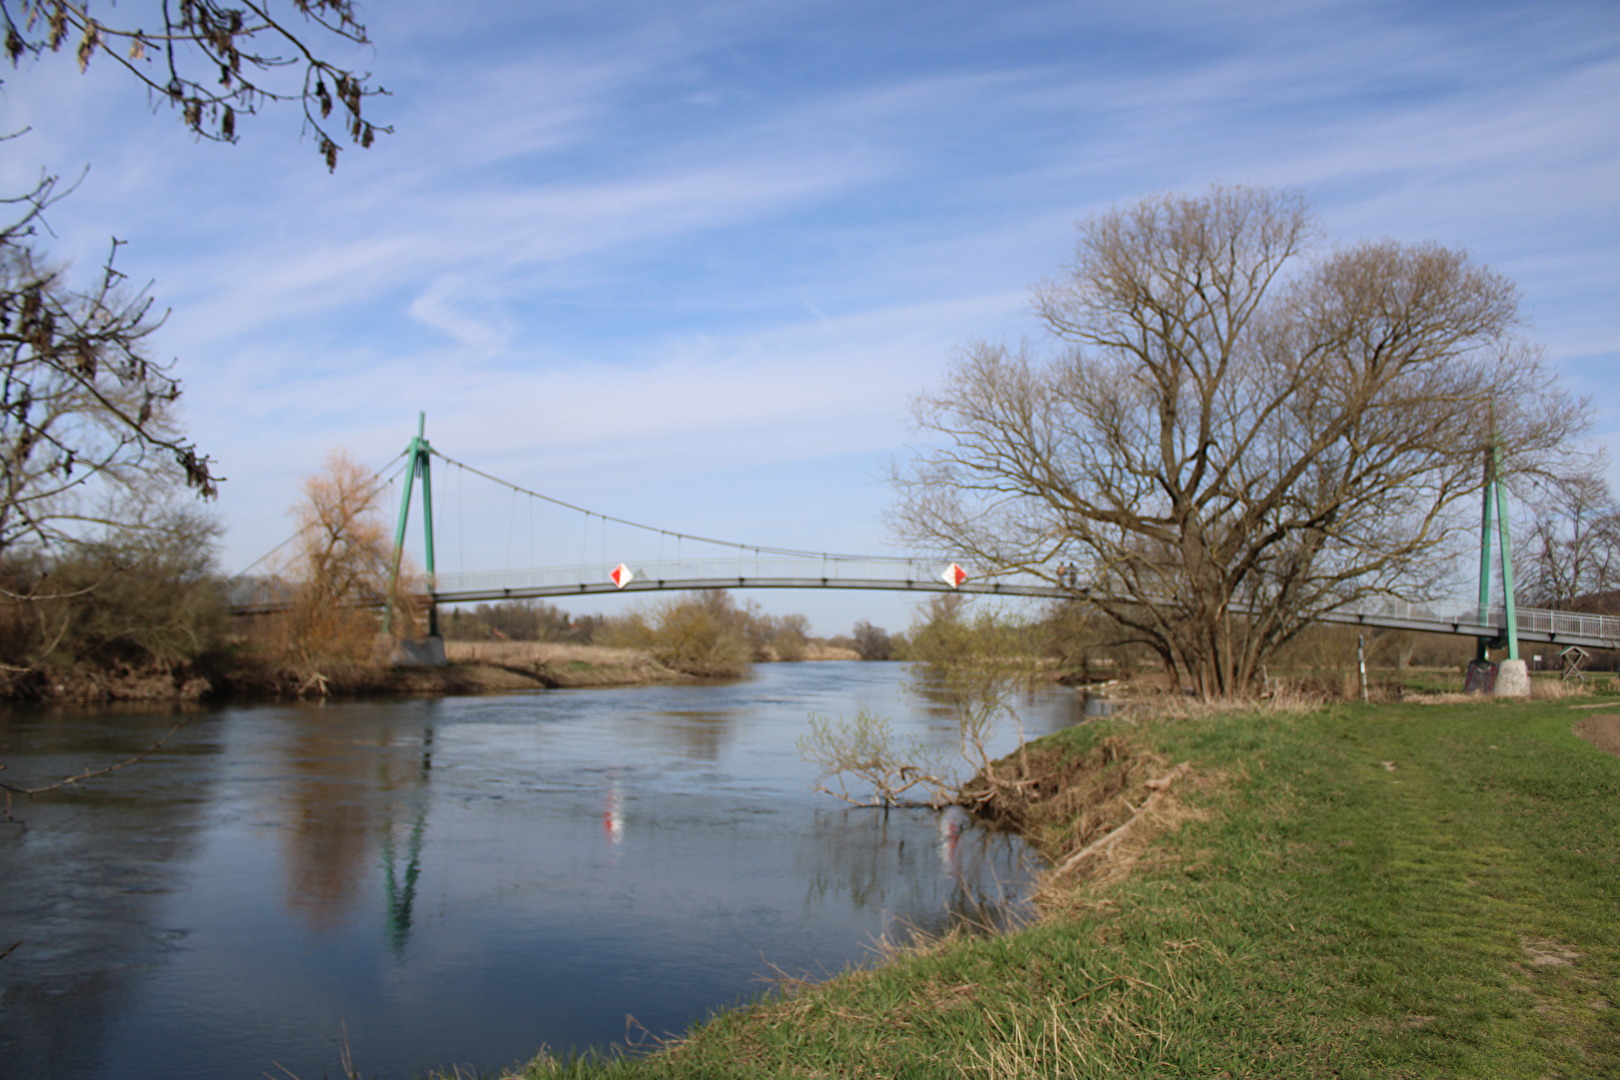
(758, 549)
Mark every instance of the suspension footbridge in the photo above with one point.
(732, 565)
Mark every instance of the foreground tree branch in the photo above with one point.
(888, 771)
(82, 407)
(977, 668)
(11, 791)
(216, 62)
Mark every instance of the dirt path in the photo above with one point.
(1602, 731)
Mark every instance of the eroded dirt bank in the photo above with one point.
(1602, 731)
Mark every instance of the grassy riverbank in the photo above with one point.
(1402, 890)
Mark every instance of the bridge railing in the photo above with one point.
(1465, 613)
(248, 594)
(1564, 623)
(1455, 616)
(719, 571)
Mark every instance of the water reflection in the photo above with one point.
(693, 734)
(954, 873)
(613, 813)
(351, 777)
(456, 882)
(86, 876)
(401, 887)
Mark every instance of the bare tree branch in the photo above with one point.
(215, 62)
(11, 790)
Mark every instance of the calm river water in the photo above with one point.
(452, 881)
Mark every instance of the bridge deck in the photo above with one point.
(1446, 617)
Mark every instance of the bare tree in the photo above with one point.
(1571, 557)
(980, 665)
(82, 407)
(864, 763)
(85, 412)
(1234, 437)
(978, 668)
(873, 642)
(87, 436)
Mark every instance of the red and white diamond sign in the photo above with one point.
(954, 575)
(622, 576)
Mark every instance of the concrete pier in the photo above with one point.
(1512, 679)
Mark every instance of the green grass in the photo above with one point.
(1387, 891)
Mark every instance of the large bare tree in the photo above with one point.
(1570, 557)
(1234, 433)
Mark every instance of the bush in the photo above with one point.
(140, 603)
(700, 634)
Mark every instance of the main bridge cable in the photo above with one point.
(757, 549)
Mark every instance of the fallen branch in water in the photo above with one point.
(11, 791)
(316, 682)
(1158, 788)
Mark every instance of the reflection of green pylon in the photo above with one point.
(401, 889)
(1496, 505)
(421, 454)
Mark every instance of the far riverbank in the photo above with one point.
(475, 667)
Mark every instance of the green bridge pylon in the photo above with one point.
(1495, 505)
(421, 457)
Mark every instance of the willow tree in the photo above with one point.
(343, 566)
(1233, 433)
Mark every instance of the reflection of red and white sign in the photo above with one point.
(954, 575)
(613, 814)
(621, 575)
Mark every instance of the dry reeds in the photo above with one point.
(539, 654)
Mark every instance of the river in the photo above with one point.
(458, 881)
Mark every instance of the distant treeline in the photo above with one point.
(706, 632)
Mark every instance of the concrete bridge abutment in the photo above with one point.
(1512, 679)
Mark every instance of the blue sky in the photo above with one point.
(687, 262)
